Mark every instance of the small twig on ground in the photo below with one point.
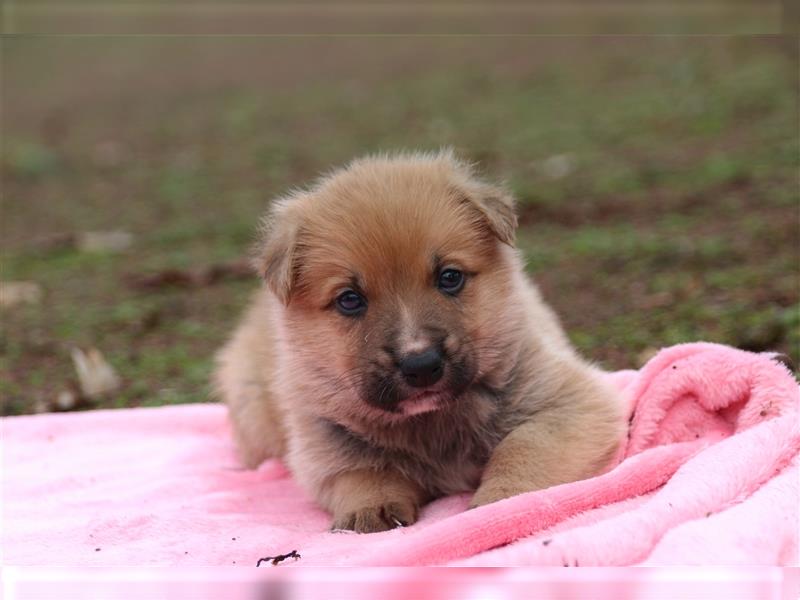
(279, 558)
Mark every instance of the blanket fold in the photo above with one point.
(707, 474)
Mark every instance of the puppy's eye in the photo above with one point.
(451, 281)
(350, 304)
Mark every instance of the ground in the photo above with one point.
(656, 177)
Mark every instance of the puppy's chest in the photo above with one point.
(444, 457)
(453, 467)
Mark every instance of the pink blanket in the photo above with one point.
(708, 475)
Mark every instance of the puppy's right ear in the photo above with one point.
(275, 257)
(497, 207)
(494, 204)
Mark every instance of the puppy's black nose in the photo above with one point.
(422, 369)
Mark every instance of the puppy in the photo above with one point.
(398, 352)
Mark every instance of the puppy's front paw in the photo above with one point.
(370, 519)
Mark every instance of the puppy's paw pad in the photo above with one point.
(399, 514)
(372, 519)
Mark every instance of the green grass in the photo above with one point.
(677, 218)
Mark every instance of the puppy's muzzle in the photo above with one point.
(422, 369)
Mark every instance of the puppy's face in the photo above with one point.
(394, 274)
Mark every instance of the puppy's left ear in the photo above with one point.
(497, 209)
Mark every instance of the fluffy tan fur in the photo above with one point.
(518, 409)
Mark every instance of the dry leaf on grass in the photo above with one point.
(96, 376)
(189, 278)
(14, 293)
(87, 241)
(66, 400)
(104, 241)
(557, 166)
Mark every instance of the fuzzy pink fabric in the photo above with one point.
(708, 475)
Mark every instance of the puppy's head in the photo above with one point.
(397, 277)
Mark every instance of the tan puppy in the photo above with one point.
(399, 353)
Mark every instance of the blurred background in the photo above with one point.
(657, 180)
